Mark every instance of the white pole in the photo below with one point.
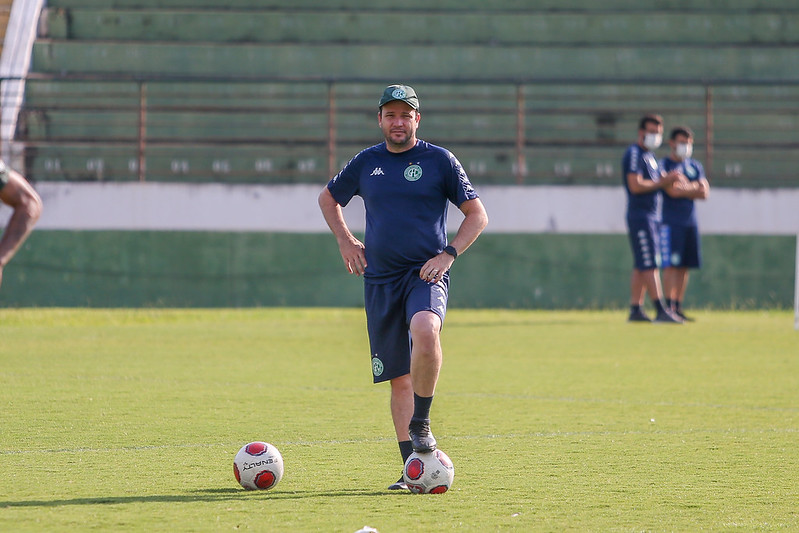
(796, 288)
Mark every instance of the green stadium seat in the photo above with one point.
(531, 26)
(632, 62)
(416, 6)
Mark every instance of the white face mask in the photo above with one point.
(684, 150)
(653, 140)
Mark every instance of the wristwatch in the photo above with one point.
(451, 251)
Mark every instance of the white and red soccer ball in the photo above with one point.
(429, 473)
(258, 466)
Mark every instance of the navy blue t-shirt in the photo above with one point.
(636, 160)
(680, 211)
(406, 197)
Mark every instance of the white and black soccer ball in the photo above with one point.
(258, 466)
(429, 473)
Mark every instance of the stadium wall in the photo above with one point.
(114, 245)
(235, 269)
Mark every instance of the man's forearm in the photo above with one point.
(472, 225)
(334, 216)
(19, 227)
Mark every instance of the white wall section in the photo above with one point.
(293, 208)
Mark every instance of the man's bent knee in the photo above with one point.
(425, 329)
(401, 382)
(425, 322)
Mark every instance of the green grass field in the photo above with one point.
(119, 420)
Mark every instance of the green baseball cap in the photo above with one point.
(404, 93)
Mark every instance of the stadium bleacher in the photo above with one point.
(246, 92)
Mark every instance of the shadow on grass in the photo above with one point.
(203, 495)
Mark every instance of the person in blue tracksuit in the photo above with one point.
(681, 248)
(643, 180)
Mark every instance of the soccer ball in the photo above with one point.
(429, 473)
(258, 466)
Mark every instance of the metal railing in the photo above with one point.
(288, 131)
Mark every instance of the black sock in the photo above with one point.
(406, 449)
(421, 407)
(678, 306)
(635, 308)
(659, 306)
(669, 303)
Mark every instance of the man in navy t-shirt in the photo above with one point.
(679, 233)
(406, 185)
(643, 180)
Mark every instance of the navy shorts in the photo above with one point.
(389, 309)
(680, 246)
(644, 242)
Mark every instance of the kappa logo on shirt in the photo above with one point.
(377, 172)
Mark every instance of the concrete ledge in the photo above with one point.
(293, 209)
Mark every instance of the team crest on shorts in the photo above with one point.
(413, 172)
(377, 366)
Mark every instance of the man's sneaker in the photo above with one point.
(681, 315)
(421, 439)
(638, 316)
(399, 485)
(667, 317)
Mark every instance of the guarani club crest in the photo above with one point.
(377, 366)
(413, 172)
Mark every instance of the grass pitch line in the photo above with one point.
(376, 440)
(618, 402)
(235, 445)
